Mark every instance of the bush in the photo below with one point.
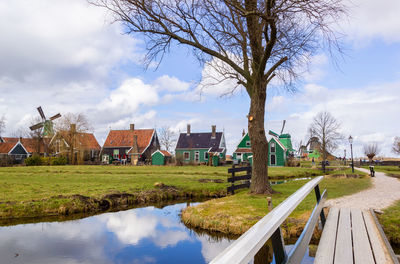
(33, 161)
(56, 161)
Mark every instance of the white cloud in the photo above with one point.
(171, 84)
(370, 19)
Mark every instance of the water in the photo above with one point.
(141, 235)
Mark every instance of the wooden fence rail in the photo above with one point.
(234, 178)
(249, 244)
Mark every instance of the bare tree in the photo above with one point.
(2, 125)
(371, 150)
(396, 145)
(246, 41)
(68, 126)
(325, 127)
(80, 120)
(167, 138)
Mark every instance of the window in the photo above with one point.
(186, 155)
(248, 143)
(206, 155)
(116, 154)
(273, 160)
(239, 156)
(273, 150)
(196, 156)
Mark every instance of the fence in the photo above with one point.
(245, 179)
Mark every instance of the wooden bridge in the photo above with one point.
(349, 235)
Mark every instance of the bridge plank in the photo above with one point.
(378, 246)
(362, 248)
(326, 246)
(344, 245)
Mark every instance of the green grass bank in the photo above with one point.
(235, 214)
(390, 221)
(70, 190)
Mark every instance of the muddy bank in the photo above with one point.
(77, 206)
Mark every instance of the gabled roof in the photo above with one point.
(6, 147)
(200, 141)
(85, 140)
(124, 138)
(30, 144)
(163, 152)
(279, 143)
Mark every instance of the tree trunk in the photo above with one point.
(259, 144)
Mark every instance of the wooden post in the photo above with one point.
(278, 244)
(318, 195)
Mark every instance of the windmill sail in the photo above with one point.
(55, 116)
(37, 126)
(283, 126)
(41, 113)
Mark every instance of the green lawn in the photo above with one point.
(236, 213)
(52, 190)
(390, 221)
(390, 170)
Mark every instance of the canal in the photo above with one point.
(140, 235)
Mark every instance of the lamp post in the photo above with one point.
(351, 148)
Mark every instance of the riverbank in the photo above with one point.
(235, 214)
(33, 192)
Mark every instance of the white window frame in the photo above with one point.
(248, 143)
(206, 155)
(188, 155)
(272, 145)
(197, 156)
(239, 156)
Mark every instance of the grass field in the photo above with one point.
(54, 190)
(236, 213)
(390, 220)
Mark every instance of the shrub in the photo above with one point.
(56, 161)
(179, 159)
(33, 161)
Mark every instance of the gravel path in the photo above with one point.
(384, 192)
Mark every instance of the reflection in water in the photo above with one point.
(142, 235)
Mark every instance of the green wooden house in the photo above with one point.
(279, 149)
(198, 147)
(160, 157)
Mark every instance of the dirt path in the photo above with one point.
(384, 192)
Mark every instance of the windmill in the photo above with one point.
(46, 126)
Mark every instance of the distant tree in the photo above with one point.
(2, 124)
(371, 150)
(167, 138)
(326, 128)
(396, 145)
(248, 42)
(79, 119)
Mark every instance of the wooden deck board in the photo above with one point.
(326, 247)
(351, 236)
(344, 244)
(378, 246)
(361, 247)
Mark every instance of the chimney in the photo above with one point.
(243, 133)
(132, 127)
(188, 130)
(73, 128)
(135, 148)
(213, 131)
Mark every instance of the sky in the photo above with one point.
(68, 56)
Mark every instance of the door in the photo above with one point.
(273, 159)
